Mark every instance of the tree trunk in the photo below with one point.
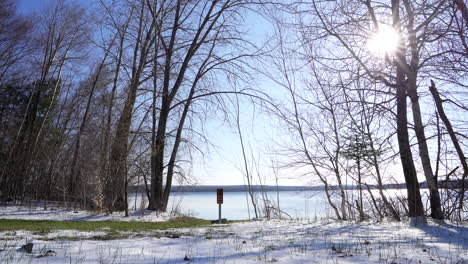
(115, 189)
(387, 204)
(415, 206)
(114, 199)
(414, 196)
(456, 144)
(248, 173)
(169, 91)
(463, 9)
(175, 149)
(361, 208)
(157, 152)
(104, 178)
(76, 171)
(157, 158)
(436, 211)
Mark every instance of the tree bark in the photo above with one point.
(415, 206)
(436, 210)
(411, 73)
(438, 101)
(169, 91)
(463, 9)
(414, 196)
(75, 171)
(104, 178)
(114, 193)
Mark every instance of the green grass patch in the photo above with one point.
(238, 221)
(47, 226)
(62, 238)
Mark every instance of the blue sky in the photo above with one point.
(223, 163)
(26, 6)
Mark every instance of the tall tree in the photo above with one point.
(187, 45)
(15, 41)
(115, 187)
(62, 32)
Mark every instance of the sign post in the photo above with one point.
(219, 200)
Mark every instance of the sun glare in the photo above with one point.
(384, 42)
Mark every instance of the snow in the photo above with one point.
(61, 214)
(273, 241)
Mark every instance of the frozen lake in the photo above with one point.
(303, 205)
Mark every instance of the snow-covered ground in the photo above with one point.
(280, 241)
(62, 214)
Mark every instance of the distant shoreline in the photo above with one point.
(258, 188)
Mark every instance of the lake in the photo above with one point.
(304, 205)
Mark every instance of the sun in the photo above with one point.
(384, 42)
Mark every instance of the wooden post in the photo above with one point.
(219, 200)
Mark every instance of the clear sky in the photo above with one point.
(27, 6)
(223, 164)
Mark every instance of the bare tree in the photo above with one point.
(440, 109)
(368, 118)
(61, 33)
(75, 170)
(345, 34)
(318, 141)
(247, 172)
(189, 52)
(15, 41)
(115, 186)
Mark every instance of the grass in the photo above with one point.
(238, 221)
(47, 226)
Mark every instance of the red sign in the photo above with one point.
(219, 196)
